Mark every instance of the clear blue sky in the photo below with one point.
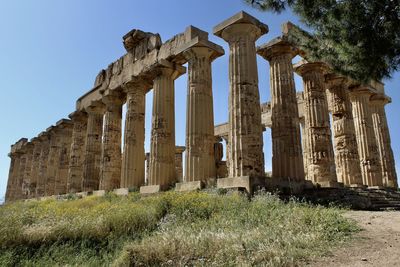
(51, 51)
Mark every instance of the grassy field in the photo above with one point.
(169, 229)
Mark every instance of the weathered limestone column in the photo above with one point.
(76, 159)
(304, 141)
(321, 162)
(35, 165)
(44, 139)
(65, 131)
(147, 167)
(199, 157)
(382, 135)
(287, 158)
(110, 169)
(179, 163)
(91, 163)
(26, 180)
(11, 176)
(133, 160)
(227, 153)
(18, 193)
(344, 138)
(366, 141)
(162, 148)
(245, 133)
(53, 160)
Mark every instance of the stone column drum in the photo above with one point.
(53, 160)
(76, 159)
(133, 160)
(245, 129)
(91, 163)
(304, 139)
(321, 162)
(382, 135)
(162, 147)
(287, 158)
(26, 182)
(110, 168)
(366, 141)
(199, 157)
(178, 163)
(345, 144)
(64, 155)
(35, 165)
(44, 138)
(13, 176)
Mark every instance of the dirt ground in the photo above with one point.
(377, 245)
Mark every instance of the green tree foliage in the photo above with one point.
(358, 38)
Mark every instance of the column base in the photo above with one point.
(286, 185)
(152, 189)
(329, 184)
(376, 187)
(189, 186)
(121, 191)
(247, 183)
(356, 186)
(99, 193)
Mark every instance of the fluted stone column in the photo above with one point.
(199, 157)
(26, 181)
(287, 158)
(18, 193)
(65, 131)
(304, 141)
(133, 160)
(76, 159)
(147, 167)
(12, 176)
(321, 162)
(179, 163)
(92, 156)
(162, 147)
(44, 138)
(366, 141)
(110, 168)
(53, 160)
(344, 138)
(382, 135)
(35, 165)
(245, 129)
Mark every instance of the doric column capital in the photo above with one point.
(64, 124)
(112, 99)
(168, 69)
(360, 91)
(95, 107)
(203, 49)
(303, 67)
(276, 47)
(141, 84)
(78, 116)
(334, 80)
(239, 26)
(380, 100)
(180, 149)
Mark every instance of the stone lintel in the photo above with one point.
(189, 186)
(215, 50)
(244, 182)
(121, 191)
(50, 129)
(240, 18)
(135, 37)
(151, 189)
(276, 46)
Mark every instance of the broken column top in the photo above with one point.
(135, 38)
(240, 18)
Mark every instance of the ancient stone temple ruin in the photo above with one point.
(86, 154)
